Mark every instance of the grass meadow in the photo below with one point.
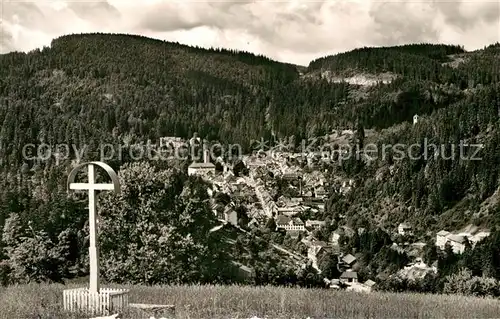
(45, 301)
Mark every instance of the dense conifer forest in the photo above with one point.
(91, 89)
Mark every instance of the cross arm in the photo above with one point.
(115, 186)
(85, 186)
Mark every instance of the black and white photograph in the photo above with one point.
(249, 159)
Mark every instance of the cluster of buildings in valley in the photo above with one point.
(307, 192)
(263, 170)
(416, 269)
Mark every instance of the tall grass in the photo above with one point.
(45, 301)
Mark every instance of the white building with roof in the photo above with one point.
(349, 260)
(202, 168)
(315, 224)
(349, 277)
(171, 141)
(288, 224)
(458, 241)
(404, 229)
(442, 239)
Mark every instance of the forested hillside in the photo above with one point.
(91, 88)
(101, 88)
(456, 104)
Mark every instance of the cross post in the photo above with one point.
(92, 187)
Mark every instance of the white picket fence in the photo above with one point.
(106, 301)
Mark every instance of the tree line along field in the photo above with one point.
(213, 301)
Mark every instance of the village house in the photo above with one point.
(202, 168)
(171, 141)
(315, 224)
(457, 243)
(298, 224)
(366, 287)
(404, 229)
(289, 224)
(314, 202)
(416, 270)
(348, 277)
(257, 221)
(349, 260)
(227, 214)
(320, 192)
(289, 210)
(442, 238)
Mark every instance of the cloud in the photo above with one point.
(6, 44)
(466, 14)
(398, 23)
(293, 31)
(23, 13)
(96, 11)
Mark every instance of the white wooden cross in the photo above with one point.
(92, 187)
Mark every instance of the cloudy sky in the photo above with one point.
(292, 31)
